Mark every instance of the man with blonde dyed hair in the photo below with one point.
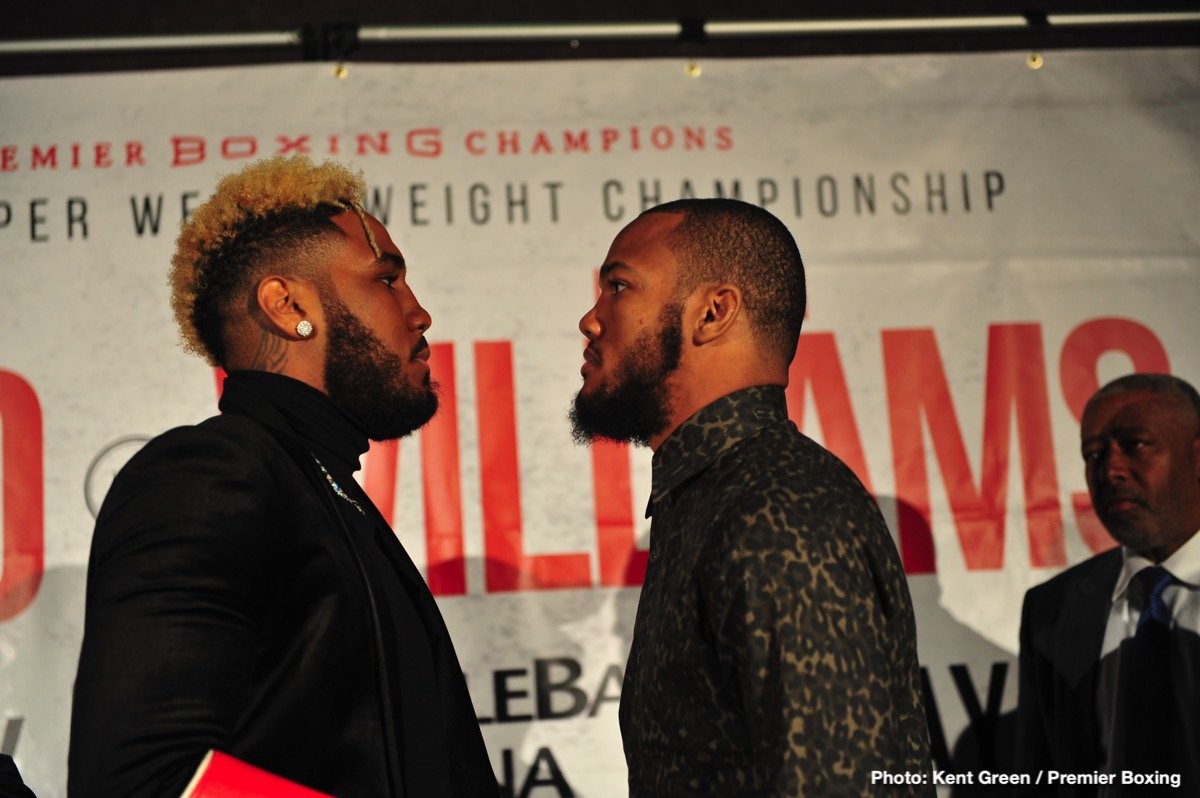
(245, 599)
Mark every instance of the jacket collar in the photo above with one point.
(708, 434)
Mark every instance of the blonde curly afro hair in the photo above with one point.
(255, 217)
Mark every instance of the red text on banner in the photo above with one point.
(24, 511)
(507, 566)
(819, 365)
(1015, 387)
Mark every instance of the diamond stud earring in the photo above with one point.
(304, 328)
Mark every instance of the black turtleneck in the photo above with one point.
(336, 442)
(334, 437)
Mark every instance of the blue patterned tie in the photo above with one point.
(1153, 581)
(1145, 694)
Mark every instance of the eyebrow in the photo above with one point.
(611, 266)
(1128, 429)
(389, 261)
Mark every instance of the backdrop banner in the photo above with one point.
(985, 242)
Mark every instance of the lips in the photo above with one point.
(591, 359)
(1114, 504)
(421, 351)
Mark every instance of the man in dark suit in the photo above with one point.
(1109, 662)
(244, 595)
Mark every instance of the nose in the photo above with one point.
(589, 325)
(418, 318)
(1114, 465)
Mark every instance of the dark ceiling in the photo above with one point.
(330, 30)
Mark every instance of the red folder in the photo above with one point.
(222, 776)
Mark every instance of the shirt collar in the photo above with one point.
(711, 432)
(1184, 565)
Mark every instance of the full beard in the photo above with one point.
(636, 405)
(368, 382)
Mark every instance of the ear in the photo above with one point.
(719, 307)
(285, 302)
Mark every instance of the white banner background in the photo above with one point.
(1094, 179)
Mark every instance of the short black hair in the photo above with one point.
(727, 240)
(1168, 386)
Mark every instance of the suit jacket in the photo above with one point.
(228, 608)
(1062, 631)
